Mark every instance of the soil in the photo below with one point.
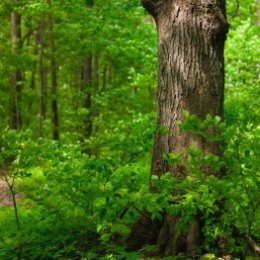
(5, 196)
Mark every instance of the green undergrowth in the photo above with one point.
(75, 206)
(78, 205)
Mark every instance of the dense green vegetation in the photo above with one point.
(77, 197)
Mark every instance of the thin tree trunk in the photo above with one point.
(32, 84)
(54, 85)
(104, 77)
(97, 92)
(42, 77)
(151, 92)
(134, 91)
(10, 185)
(258, 13)
(96, 72)
(88, 81)
(16, 120)
(34, 68)
(86, 88)
(109, 75)
(191, 36)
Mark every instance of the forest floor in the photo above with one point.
(5, 196)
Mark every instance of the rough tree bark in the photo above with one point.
(191, 36)
(16, 120)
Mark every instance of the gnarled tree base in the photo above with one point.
(166, 236)
(145, 231)
(170, 242)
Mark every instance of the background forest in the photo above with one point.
(78, 107)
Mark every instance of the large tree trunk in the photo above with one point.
(16, 120)
(54, 84)
(191, 36)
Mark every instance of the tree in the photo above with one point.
(42, 77)
(17, 75)
(54, 84)
(258, 13)
(191, 36)
(86, 82)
